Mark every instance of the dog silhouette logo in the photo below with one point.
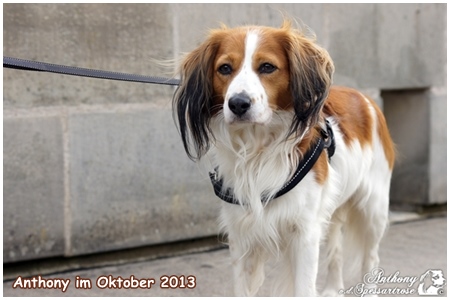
(432, 283)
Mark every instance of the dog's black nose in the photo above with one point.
(239, 104)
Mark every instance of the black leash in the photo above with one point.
(28, 65)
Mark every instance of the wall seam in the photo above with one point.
(67, 190)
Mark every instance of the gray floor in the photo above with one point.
(410, 247)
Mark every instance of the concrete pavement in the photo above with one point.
(409, 249)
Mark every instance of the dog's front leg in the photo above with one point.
(248, 269)
(305, 260)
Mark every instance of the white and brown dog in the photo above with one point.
(259, 102)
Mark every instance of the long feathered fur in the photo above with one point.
(194, 101)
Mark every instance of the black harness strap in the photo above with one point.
(28, 65)
(303, 168)
(326, 141)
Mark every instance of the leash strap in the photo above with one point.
(28, 65)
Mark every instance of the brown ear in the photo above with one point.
(192, 101)
(311, 70)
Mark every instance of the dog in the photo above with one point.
(296, 160)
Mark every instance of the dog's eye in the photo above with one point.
(266, 68)
(225, 69)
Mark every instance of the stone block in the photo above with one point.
(438, 145)
(190, 30)
(128, 38)
(33, 188)
(381, 46)
(132, 183)
(410, 45)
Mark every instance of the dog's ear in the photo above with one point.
(192, 101)
(311, 70)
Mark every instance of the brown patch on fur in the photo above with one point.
(352, 113)
(271, 50)
(320, 168)
(385, 137)
(231, 51)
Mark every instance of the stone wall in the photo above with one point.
(94, 165)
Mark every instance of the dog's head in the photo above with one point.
(247, 74)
